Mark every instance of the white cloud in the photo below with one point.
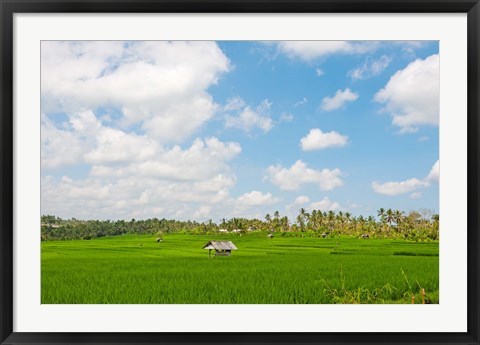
(299, 174)
(202, 212)
(395, 188)
(301, 199)
(204, 159)
(325, 205)
(303, 101)
(319, 72)
(234, 103)
(248, 119)
(125, 197)
(159, 89)
(160, 86)
(415, 195)
(370, 68)
(59, 147)
(317, 140)
(410, 185)
(412, 95)
(104, 145)
(131, 175)
(255, 198)
(434, 174)
(89, 142)
(286, 117)
(338, 100)
(311, 50)
(85, 140)
(410, 47)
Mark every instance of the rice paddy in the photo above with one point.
(136, 269)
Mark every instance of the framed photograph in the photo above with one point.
(239, 172)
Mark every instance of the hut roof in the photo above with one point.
(220, 245)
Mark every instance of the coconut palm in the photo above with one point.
(302, 219)
(381, 214)
(389, 217)
(268, 219)
(398, 217)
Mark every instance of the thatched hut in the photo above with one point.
(222, 248)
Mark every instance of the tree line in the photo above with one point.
(419, 225)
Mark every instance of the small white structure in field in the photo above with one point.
(222, 230)
(222, 248)
(236, 230)
(324, 235)
(270, 236)
(365, 236)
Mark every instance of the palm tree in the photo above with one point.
(313, 224)
(268, 219)
(348, 215)
(397, 217)
(331, 220)
(276, 220)
(381, 214)
(284, 222)
(389, 217)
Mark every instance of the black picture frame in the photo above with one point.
(7, 10)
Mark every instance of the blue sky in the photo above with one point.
(200, 130)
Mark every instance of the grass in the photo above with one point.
(133, 269)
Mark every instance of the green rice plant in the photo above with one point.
(136, 269)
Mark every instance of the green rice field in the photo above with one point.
(136, 269)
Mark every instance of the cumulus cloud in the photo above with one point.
(317, 140)
(126, 196)
(113, 151)
(204, 159)
(412, 95)
(128, 112)
(247, 118)
(133, 197)
(311, 50)
(85, 140)
(160, 86)
(131, 175)
(340, 98)
(301, 199)
(370, 68)
(255, 198)
(325, 205)
(434, 174)
(299, 174)
(395, 188)
(59, 147)
(202, 212)
(410, 185)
